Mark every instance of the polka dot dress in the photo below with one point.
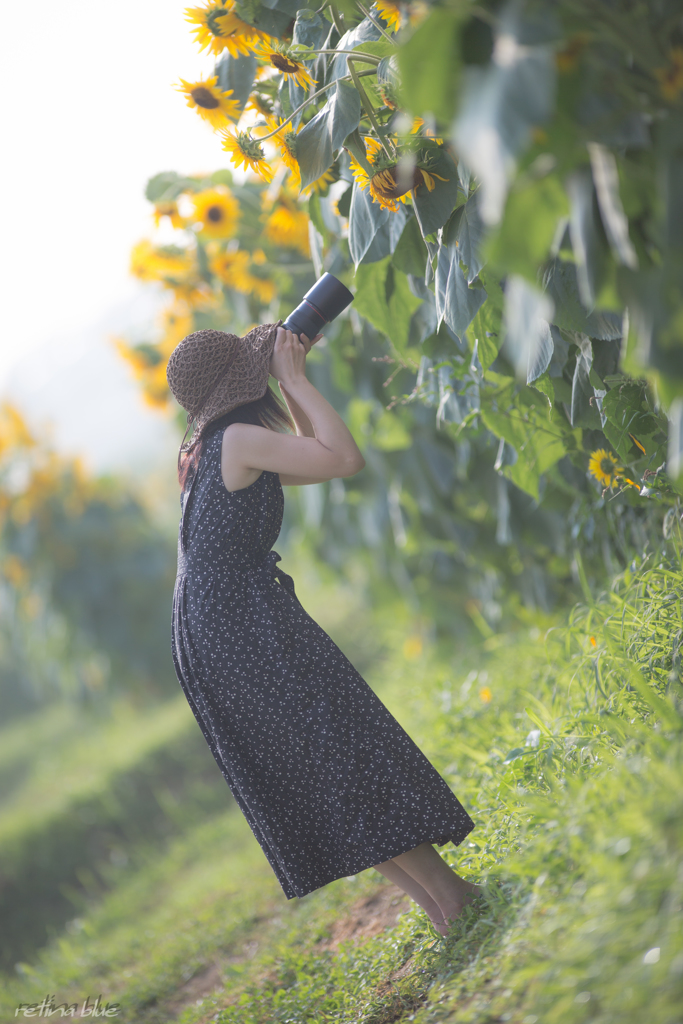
(326, 777)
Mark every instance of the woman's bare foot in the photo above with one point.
(398, 876)
(451, 907)
(447, 889)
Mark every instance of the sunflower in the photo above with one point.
(286, 146)
(170, 210)
(232, 269)
(671, 78)
(218, 28)
(287, 226)
(218, 212)
(391, 14)
(604, 467)
(427, 178)
(209, 101)
(382, 183)
(151, 263)
(320, 184)
(263, 288)
(246, 151)
(148, 364)
(195, 292)
(176, 323)
(387, 185)
(277, 54)
(261, 103)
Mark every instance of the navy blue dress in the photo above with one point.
(326, 777)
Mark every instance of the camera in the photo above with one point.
(320, 305)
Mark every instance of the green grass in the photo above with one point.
(566, 748)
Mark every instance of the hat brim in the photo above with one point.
(246, 380)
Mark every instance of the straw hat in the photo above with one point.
(211, 373)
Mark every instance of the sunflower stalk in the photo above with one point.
(337, 18)
(376, 24)
(370, 110)
(309, 99)
(368, 58)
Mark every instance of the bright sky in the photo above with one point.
(88, 114)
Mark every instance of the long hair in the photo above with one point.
(267, 412)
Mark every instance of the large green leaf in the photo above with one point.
(383, 297)
(430, 65)
(587, 234)
(486, 328)
(433, 209)
(456, 303)
(319, 140)
(529, 225)
(365, 32)
(466, 231)
(624, 412)
(585, 411)
(167, 185)
(536, 434)
(560, 281)
(378, 48)
(236, 74)
(274, 19)
(411, 253)
(374, 231)
(528, 340)
(500, 104)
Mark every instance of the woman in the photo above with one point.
(327, 779)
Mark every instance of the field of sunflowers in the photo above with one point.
(500, 185)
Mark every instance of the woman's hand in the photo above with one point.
(308, 345)
(288, 361)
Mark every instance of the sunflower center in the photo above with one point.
(204, 98)
(282, 63)
(214, 214)
(213, 20)
(607, 467)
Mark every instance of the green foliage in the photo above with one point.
(86, 578)
(566, 749)
(517, 273)
(430, 66)
(99, 787)
(384, 298)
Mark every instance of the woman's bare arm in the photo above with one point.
(304, 427)
(331, 452)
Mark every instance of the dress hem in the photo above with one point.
(363, 865)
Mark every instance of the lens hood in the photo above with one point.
(320, 305)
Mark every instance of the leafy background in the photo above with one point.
(515, 312)
(499, 185)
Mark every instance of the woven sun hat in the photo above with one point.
(211, 373)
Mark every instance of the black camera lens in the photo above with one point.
(320, 305)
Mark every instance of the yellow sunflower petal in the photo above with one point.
(211, 103)
(217, 210)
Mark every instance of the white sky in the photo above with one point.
(88, 114)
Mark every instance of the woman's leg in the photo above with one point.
(398, 876)
(449, 891)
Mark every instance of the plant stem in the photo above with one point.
(338, 19)
(367, 57)
(377, 25)
(309, 99)
(369, 109)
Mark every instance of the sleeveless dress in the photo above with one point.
(326, 777)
